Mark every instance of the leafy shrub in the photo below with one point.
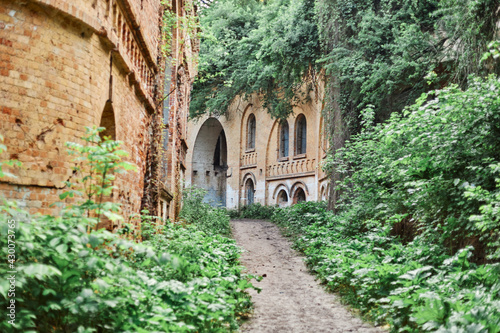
(420, 164)
(71, 278)
(415, 241)
(205, 217)
(414, 287)
(265, 47)
(252, 211)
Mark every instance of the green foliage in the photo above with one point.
(494, 51)
(70, 279)
(488, 221)
(469, 25)
(255, 47)
(419, 164)
(381, 51)
(205, 217)
(187, 22)
(97, 161)
(253, 211)
(415, 241)
(178, 281)
(415, 287)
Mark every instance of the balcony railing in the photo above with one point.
(248, 160)
(292, 168)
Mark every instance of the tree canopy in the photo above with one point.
(255, 47)
(380, 51)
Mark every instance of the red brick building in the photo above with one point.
(68, 64)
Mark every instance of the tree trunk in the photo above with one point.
(339, 131)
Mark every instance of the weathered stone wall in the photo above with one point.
(60, 63)
(261, 165)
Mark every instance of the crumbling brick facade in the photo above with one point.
(67, 64)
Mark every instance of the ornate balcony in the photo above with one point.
(293, 168)
(248, 160)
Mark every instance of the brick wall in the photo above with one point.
(67, 64)
(54, 80)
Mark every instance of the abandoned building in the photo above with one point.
(247, 157)
(68, 64)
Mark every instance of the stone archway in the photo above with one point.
(209, 163)
(282, 200)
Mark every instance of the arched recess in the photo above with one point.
(108, 121)
(298, 191)
(209, 162)
(282, 199)
(299, 196)
(280, 187)
(249, 191)
(248, 185)
(281, 195)
(323, 196)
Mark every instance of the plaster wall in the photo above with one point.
(261, 164)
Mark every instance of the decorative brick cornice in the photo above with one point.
(144, 81)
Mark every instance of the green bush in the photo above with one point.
(414, 287)
(415, 241)
(71, 278)
(252, 211)
(205, 217)
(421, 163)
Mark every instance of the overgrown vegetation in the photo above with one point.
(374, 52)
(252, 211)
(71, 278)
(251, 46)
(381, 51)
(205, 217)
(415, 241)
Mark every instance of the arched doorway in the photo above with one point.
(209, 164)
(282, 200)
(249, 191)
(299, 196)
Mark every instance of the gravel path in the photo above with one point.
(290, 300)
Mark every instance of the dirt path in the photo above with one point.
(290, 300)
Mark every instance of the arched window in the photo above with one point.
(251, 132)
(249, 189)
(283, 144)
(108, 122)
(300, 135)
